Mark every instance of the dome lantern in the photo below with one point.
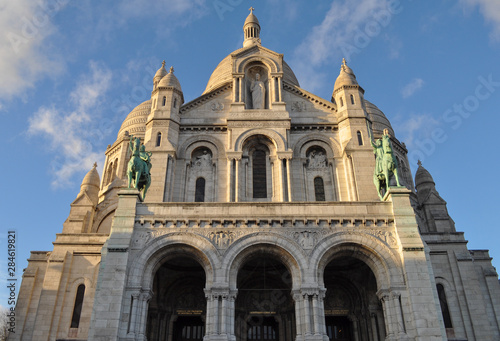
(251, 29)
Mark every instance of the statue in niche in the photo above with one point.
(317, 159)
(258, 90)
(203, 160)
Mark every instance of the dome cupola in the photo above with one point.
(170, 80)
(90, 184)
(162, 72)
(251, 29)
(346, 76)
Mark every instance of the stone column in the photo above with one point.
(143, 311)
(373, 320)
(307, 314)
(385, 298)
(299, 319)
(355, 327)
(133, 313)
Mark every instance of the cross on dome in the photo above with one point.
(163, 63)
(251, 9)
(171, 69)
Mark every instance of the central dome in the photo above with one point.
(223, 74)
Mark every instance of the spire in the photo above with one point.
(346, 76)
(251, 29)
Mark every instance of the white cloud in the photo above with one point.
(348, 27)
(415, 127)
(73, 133)
(25, 25)
(412, 87)
(490, 9)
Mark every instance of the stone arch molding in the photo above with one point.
(331, 146)
(272, 65)
(158, 249)
(287, 251)
(378, 256)
(276, 138)
(210, 142)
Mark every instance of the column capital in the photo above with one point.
(234, 155)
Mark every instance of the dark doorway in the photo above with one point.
(262, 328)
(338, 328)
(189, 328)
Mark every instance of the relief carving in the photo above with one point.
(298, 106)
(217, 106)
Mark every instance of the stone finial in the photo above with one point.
(95, 165)
(163, 63)
(171, 69)
(419, 163)
(251, 9)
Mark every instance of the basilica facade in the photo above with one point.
(261, 222)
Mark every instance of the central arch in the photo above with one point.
(264, 307)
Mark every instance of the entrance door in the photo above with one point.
(189, 328)
(262, 328)
(338, 328)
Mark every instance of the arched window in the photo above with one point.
(444, 306)
(199, 195)
(259, 174)
(341, 101)
(175, 102)
(319, 189)
(109, 175)
(360, 138)
(158, 139)
(114, 172)
(77, 310)
(164, 100)
(352, 99)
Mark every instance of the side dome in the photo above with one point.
(223, 74)
(423, 179)
(135, 122)
(170, 81)
(379, 120)
(346, 76)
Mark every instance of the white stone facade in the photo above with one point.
(260, 224)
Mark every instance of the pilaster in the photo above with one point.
(417, 303)
(112, 275)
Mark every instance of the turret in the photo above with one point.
(83, 207)
(166, 100)
(90, 184)
(433, 206)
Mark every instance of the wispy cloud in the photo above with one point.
(490, 9)
(415, 127)
(412, 87)
(25, 25)
(347, 28)
(72, 132)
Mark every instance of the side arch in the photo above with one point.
(329, 144)
(160, 249)
(372, 251)
(215, 145)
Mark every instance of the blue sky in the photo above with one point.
(72, 70)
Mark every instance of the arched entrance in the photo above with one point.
(353, 311)
(177, 309)
(264, 306)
